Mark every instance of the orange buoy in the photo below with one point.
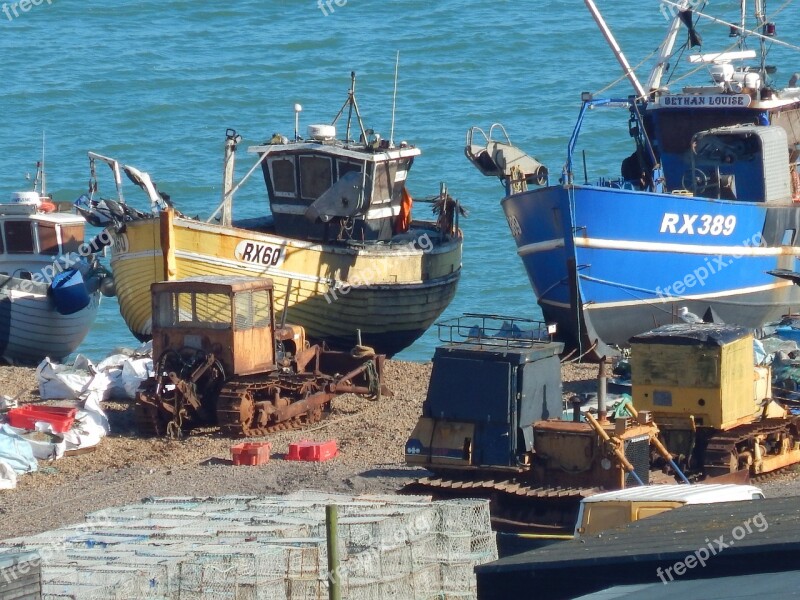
(47, 207)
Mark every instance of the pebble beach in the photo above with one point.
(125, 468)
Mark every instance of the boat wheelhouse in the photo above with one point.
(317, 188)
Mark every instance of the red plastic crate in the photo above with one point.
(251, 453)
(60, 417)
(312, 451)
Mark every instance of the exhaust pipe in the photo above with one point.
(602, 413)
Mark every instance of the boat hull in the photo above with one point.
(607, 264)
(391, 293)
(31, 328)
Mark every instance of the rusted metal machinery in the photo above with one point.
(713, 407)
(491, 427)
(219, 357)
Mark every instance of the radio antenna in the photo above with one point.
(44, 177)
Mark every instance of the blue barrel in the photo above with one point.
(69, 292)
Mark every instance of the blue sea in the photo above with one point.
(156, 85)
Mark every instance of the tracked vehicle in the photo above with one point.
(492, 427)
(712, 406)
(220, 358)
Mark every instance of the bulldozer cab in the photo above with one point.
(229, 317)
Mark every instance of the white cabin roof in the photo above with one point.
(700, 493)
(62, 218)
(357, 152)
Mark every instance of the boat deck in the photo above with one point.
(634, 554)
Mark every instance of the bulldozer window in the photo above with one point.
(188, 310)
(252, 310)
(243, 311)
(262, 309)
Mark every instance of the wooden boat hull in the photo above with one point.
(392, 293)
(31, 328)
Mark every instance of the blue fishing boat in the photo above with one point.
(707, 202)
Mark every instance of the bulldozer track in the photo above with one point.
(147, 419)
(508, 486)
(515, 504)
(722, 451)
(767, 477)
(236, 408)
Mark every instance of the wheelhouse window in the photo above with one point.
(19, 237)
(316, 176)
(48, 238)
(71, 238)
(385, 178)
(283, 176)
(348, 167)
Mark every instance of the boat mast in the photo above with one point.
(394, 99)
(761, 20)
(665, 53)
(352, 105)
(232, 139)
(743, 21)
(612, 42)
(39, 182)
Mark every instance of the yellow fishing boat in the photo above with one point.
(339, 241)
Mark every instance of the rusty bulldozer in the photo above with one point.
(220, 358)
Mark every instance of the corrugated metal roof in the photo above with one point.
(689, 494)
(692, 334)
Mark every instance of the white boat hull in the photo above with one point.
(31, 328)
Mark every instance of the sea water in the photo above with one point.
(156, 85)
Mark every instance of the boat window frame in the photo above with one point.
(301, 157)
(54, 247)
(280, 193)
(359, 164)
(73, 243)
(388, 170)
(11, 249)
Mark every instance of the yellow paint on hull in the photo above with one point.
(395, 292)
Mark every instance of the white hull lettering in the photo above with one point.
(698, 224)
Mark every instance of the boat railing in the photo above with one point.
(487, 137)
(588, 104)
(495, 330)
